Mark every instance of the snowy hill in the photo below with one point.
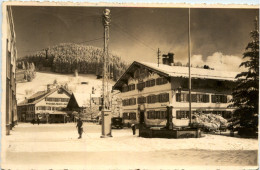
(81, 84)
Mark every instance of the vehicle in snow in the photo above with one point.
(117, 122)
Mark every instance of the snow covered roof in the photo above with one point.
(39, 96)
(82, 99)
(176, 71)
(180, 71)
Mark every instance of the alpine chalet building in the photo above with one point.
(47, 105)
(151, 94)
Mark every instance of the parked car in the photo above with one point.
(117, 122)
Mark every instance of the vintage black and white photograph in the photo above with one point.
(110, 86)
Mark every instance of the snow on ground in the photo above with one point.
(56, 145)
(122, 140)
(43, 78)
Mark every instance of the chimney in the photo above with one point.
(171, 58)
(165, 59)
(168, 59)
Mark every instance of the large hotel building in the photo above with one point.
(151, 93)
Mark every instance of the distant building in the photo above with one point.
(10, 55)
(151, 94)
(47, 105)
(81, 103)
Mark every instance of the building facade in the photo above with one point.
(151, 94)
(47, 105)
(10, 53)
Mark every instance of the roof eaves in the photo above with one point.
(46, 95)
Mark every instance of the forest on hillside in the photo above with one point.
(67, 57)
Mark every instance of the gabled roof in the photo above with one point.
(37, 94)
(176, 71)
(179, 71)
(82, 99)
(43, 95)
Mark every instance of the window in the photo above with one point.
(132, 116)
(150, 114)
(141, 100)
(128, 102)
(125, 116)
(160, 81)
(205, 98)
(193, 97)
(182, 97)
(180, 114)
(158, 114)
(152, 99)
(41, 108)
(163, 97)
(219, 99)
(200, 98)
(163, 114)
(132, 101)
(131, 87)
(150, 83)
(141, 86)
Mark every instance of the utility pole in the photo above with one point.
(158, 55)
(189, 54)
(106, 120)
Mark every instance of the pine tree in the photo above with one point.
(246, 93)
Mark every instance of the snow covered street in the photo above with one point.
(57, 144)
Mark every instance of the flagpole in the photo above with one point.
(189, 54)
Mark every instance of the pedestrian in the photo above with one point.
(80, 127)
(33, 121)
(38, 120)
(133, 128)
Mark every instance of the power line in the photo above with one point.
(91, 40)
(133, 37)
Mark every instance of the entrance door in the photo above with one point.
(141, 117)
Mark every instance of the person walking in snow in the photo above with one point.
(33, 121)
(80, 128)
(38, 120)
(133, 128)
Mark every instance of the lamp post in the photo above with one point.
(106, 113)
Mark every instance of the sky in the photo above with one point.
(218, 36)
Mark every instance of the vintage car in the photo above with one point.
(117, 122)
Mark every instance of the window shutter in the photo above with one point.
(178, 97)
(224, 99)
(193, 98)
(213, 99)
(158, 81)
(167, 97)
(207, 98)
